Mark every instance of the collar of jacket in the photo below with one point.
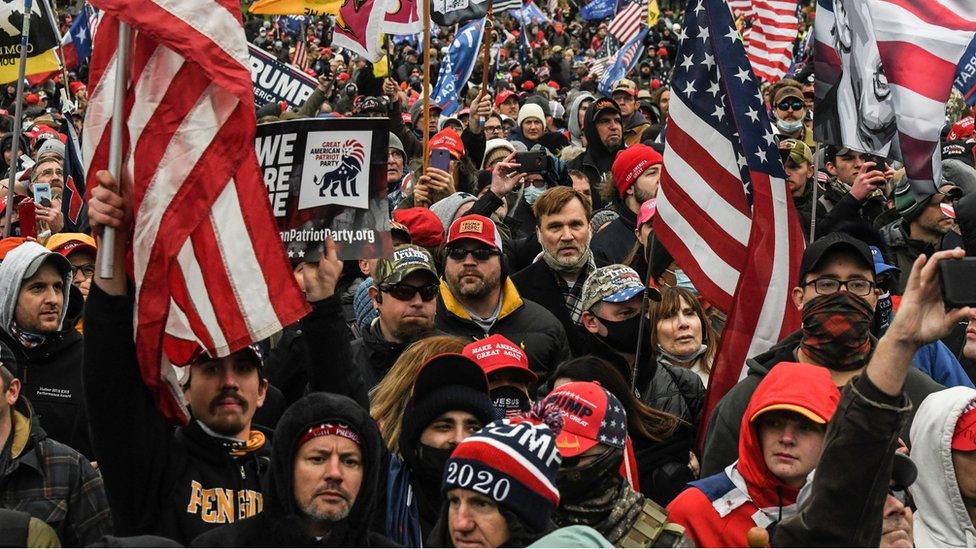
(511, 301)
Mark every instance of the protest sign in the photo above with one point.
(328, 175)
(275, 81)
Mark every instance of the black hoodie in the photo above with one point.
(280, 525)
(597, 160)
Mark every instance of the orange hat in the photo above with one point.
(10, 243)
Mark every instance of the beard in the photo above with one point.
(413, 328)
(474, 290)
(312, 511)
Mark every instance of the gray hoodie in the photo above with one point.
(572, 118)
(941, 519)
(20, 263)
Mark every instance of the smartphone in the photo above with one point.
(956, 276)
(531, 161)
(440, 159)
(28, 219)
(879, 162)
(42, 194)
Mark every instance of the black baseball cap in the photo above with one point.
(832, 243)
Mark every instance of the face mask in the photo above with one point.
(431, 461)
(532, 193)
(882, 314)
(789, 126)
(681, 280)
(683, 359)
(583, 482)
(509, 401)
(622, 334)
(837, 330)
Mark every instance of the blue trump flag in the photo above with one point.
(623, 61)
(457, 66)
(598, 10)
(965, 80)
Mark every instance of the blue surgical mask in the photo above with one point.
(681, 280)
(532, 193)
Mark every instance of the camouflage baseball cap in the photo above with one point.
(407, 259)
(800, 152)
(613, 284)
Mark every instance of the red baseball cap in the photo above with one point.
(447, 139)
(425, 227)
(502, 97)
(962, 129)
(475, 227)
(591, 416)
(497, 353)
(10, 243)
(964, 437)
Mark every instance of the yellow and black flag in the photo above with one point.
(41, 55)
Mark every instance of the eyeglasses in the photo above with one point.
(494, 129)
(828, 286)
(88, 269)
(480, 254)
(405, 292)
(791, 105)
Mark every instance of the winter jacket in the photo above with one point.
(841, 206)
(331, 366)
(537, 283)
(937, 362)
(286, 363)
(572, 118)
(281, 524)
(525, 323)
(51, 373)
(844, 504)
(177, 483)
(941, 519)
(634, 128)
(721, 439)
(51, 482)
(373, 355)
(904, 250)
(612, 243)
(596, 161)
(718, 511)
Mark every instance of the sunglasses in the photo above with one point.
(791, 105)
(480, 254)
(405, 292)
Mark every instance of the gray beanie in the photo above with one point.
(51, 146)
(446, 208)
(396, 144)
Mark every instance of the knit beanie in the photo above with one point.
(631, 163)
(514, 462)
(495, 148)
(362, 304)
(446, 208)
(396, 144)
(426, 229)
(530, 110)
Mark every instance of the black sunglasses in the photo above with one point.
(791, 105)
(405, 292)
(481, 254)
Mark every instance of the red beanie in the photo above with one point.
(631, 163)
(655, 84)
(424, 226)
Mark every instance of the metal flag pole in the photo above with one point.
(61, 59)
(645, 305)
(106, 269)
(18, 116)
(426, 95)
(817, 159)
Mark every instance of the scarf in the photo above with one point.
(27, 340)
(612, 513)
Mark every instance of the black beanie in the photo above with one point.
(419, 414)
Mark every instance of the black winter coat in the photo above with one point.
(537, 283)
(280, 524)
(612, 243)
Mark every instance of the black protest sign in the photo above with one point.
(275, 81)
(328, 174)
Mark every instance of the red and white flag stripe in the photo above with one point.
(208, 266)
(772, 38)
(741, 8)
(627, 23)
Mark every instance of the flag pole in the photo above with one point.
(645, 305)
(57, 32)
(426, 96)
(813, 203)
(486, 50)
(18, 116)
(107, 267)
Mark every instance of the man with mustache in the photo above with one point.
(555, 281)
(177, 483)
(326, 465)
(477, 298)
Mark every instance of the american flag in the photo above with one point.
(921, 43)
(208, 266)
(724, 212)
(300, 57)
(741, 8)
(599, 66)
(772, 36)
(627, 23)
(498, 6)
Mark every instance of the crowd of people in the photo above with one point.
(529, 368)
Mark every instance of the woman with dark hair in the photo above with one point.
(681, 334)
(662, 442)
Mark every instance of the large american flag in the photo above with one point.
(772, 38)
(300, 57)
(741, 8)
(724, 212)
(627, 23)
(921, 43)
(208, 266)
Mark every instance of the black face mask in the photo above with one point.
(430, 463)
(622, 334)
(509, 401)
(583, 482)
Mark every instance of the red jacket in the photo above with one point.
(718, 511)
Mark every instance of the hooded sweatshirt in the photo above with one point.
(719, 510)
(51, 372)
(941, 519)
(280, 524)
(597, 160)
(572, 118)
